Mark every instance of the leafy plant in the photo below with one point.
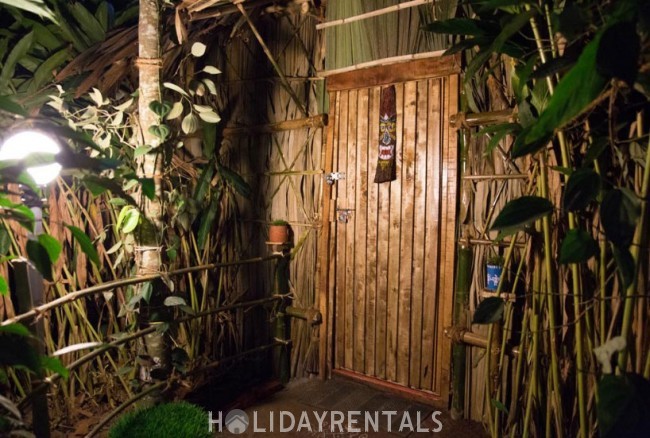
(576, 75)
(169, 419)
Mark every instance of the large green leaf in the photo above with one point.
(578, 246)
(51, 245)
(520, 212)
(582, 188)
(207, 219)
(619, 212)
(37, 7)
(7, 104)
(623, 406)
(45, 72)
(39, 256)
(19, 51)
(490, 310)
(16, 351)
(88, 24)
(577, 89)
(85, 243)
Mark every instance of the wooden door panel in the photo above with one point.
(394, 257)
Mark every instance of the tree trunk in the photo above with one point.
(149, 235)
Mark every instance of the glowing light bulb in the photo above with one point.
(25, 143)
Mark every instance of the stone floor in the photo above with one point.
(341, 408)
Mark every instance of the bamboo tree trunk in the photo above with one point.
(149, 236)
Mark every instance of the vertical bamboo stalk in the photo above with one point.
(459, 350)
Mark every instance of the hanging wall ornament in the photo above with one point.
(387, 136)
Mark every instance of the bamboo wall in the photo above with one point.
(280, 162)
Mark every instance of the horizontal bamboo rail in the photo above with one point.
(375, 13)
(475, 340)
(495, 177)
(73, 296)
(384, 61)
(141, 333)
(461, 120)
(317, 121)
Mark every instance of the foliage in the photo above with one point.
(576, 75)
(180, 419)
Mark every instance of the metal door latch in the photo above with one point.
(331, 178)
(344, 214)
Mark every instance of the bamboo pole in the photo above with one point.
(459, 351)
(375, 13)
(469, 120)
(275, 65)
(317, 122)
(73, 296)
(384, 61)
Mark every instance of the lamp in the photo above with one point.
(21, 145)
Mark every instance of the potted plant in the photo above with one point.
(279, 231)
(493, 271)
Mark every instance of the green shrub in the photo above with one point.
(178, 419)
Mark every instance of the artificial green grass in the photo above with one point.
(178, 419)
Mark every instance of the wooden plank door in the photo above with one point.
(391, 254)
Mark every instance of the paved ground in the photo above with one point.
(341, 408)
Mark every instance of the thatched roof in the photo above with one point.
(112, 61)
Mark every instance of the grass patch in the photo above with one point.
(178, 419)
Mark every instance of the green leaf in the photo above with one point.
(5, 241)
(619, 212)
(498, 132)
(44, 74)
(17, 351)
(618, 52)
(51, 245)
(625, 264)
(7, 104)
(85, 243)
(160, 131)
(210, 69)
(175, 88)
(595, 150)
(4, 287)
(204, 181)
(16, 329)
(520, 212)
(500, 406)
(174, 300)
(176, 110)
(235, 180)
(210, 117)
(87, 22)
(131, 221)
(490, 310)
(37, 7)
(577, 247)
(190, 123)
(141, 150)
(207, 219)
(623, 406)
(148, 187)
(553, 66)
(17, 53)
(146, 290)
(39, 256)
(575, 92)
(582, 188)
(209, 139)
(55, 365)
(161, 109)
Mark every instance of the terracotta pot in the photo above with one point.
(278, 233)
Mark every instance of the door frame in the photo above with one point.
(389, 73)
